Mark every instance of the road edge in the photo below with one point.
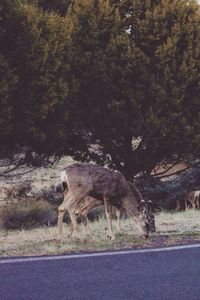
(13, 260)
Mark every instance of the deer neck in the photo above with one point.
(130, 205)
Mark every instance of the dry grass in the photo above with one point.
(41, 178)
(172, 228)
(179, 222)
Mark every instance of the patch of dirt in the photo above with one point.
(168, 224)
(160, 241)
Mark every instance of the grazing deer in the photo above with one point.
(144, 208)
(88, 203)
(192, 199)
(82, 183)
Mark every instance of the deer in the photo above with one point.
(192, 199)
(144, 206)
(87, 185)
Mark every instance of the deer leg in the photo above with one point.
(193, 204)
(186, 206)
(119, 213)
(61, 212)
(75, 225)
(70, 230)
(85, 223)
(108, 210)
(197, 203)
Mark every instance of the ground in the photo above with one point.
(172, 229)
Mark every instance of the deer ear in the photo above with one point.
(141, 204)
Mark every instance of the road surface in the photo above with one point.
(153, 275)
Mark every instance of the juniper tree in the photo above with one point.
(59, 6)
(137, 85)
(122, 74)
(167, 33)
(34, 87)
(102, 63)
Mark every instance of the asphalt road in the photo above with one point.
(173, 274)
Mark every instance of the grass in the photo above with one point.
(179, 222)
(172, 228)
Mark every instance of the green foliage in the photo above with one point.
(144, 84)
(34, 62)
(167, 33)
(59, 6)
(120, 74)
(8, 75)
(41, 56)
(102, 66)
(7, 86)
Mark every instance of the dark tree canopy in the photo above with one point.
(112, 81)
(59, 6)
(34, 85)
(139, 95)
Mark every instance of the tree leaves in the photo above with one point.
(105, 73)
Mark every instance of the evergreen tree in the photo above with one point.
(8, 75)
(34, 87)
(141, 86)
(101, 66)
(59, 6)
(167, 33)
(121, 74)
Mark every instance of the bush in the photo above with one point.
(34, 214)
(18, 191)
(52, 195)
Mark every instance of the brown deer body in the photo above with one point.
(87, 185)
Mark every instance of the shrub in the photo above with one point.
(34, 214)
(19, 190)
(52, 195)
